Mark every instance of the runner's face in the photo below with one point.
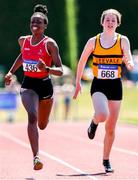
(37, 24)
(110, 22)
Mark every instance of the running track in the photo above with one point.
(67, 153)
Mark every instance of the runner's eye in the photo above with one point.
(36, 22)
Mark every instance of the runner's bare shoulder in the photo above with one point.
(21, 39)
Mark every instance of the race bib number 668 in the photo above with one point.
(107, 71)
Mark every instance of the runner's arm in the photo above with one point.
(128, 60)
(88, 49)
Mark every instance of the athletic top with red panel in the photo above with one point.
(31, 54)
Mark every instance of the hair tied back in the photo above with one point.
(41, 8)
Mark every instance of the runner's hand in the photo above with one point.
(129, 64)
(41, 65)
(8, 78)
(77, 90)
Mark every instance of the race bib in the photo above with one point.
(30, 66)
(107, 71)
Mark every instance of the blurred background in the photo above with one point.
(71, 24)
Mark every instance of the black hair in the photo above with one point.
(42, 10)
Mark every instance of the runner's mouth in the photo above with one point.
(34, 28)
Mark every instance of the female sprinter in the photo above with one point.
(109, 50)
(38, 54)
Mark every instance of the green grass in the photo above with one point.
(82, 109)
(129, 109)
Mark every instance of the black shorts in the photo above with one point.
(43, 87)
(111, 88)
